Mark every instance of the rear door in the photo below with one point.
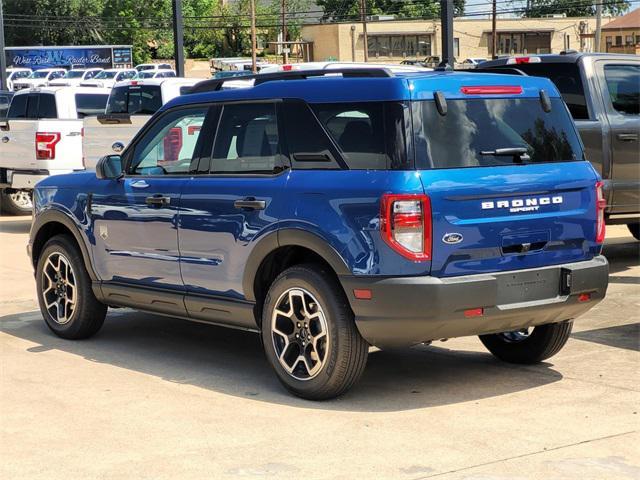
(230, 202)
(496, 209)
(620, 87)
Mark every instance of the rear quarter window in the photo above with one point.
(90, 104)
(473, 130)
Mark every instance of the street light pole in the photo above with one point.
(285, 46)
(446, 25)
(363, 13)
(494, 34)
(252, 4)
(178, 37)
(598, 26)
(3, 58)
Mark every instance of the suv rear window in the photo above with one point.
(88, 104)
(472, 130)
(567, 79)
(135, 99)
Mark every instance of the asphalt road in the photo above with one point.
(156, 397)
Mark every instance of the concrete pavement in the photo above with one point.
(156, 397)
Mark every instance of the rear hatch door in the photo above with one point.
(508, 184)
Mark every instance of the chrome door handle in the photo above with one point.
(139, 184)
(158, 200)
(250, 203)
(627, 137)
(5, 139)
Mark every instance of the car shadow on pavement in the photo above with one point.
(17, 225)
(620, 336)
(623, 254)
(231, 362)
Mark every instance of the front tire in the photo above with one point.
(16, 202)
(309, 334)
(68, 305)
(634, 229)
(529, 347)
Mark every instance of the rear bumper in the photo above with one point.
(25, 179)
(409, 310)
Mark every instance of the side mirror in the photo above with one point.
(117, 147)
(109, 167)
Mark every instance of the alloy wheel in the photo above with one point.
(59, 288)
(21, 199)
(299, 333)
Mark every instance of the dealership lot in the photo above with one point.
(156, 397)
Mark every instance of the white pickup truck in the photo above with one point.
(130, 105)
(42, 136)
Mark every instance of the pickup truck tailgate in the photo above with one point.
(101, 134)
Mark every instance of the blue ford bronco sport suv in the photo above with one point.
(335, 211)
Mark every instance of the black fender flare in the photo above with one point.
(283, 238)
(56, 216)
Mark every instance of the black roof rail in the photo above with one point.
(215, 84)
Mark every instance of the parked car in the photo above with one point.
(14, 73)
(130, 105)
(602, 92)
(149, 74)
(109, 77)
(474, 61)
(73, 78)
(39, 78)
(153, 66)
(232, 73)
(332, 65)
(333, 213)
(42, 136)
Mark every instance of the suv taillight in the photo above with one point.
(405, 224)
(601, 204)
(46, 145)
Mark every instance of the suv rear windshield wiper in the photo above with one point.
(519, 154)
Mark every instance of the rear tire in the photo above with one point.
(16, 202)
(309, 334)
(68, 305)
(542, 343)
(634, 228)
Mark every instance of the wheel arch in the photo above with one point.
(280, 250)
(53, 222)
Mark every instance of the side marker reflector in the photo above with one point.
(584, 297)
(474, 312)
(363, 294)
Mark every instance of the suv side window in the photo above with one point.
(371, 135)
(309, 146)
(623, 84)
(247, 140)
(170, 144)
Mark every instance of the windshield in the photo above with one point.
(135, 99)
(39, 74)
(74, 74)
(145, 67)
(489, 132)
(146, 74)
(105, 75)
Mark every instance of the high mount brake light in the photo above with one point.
(492, 90)
(46, 145)
(405, 225)
(521, 60)
(601, 205)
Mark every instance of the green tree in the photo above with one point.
(573, 8)
(341, 10)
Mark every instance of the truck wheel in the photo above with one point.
(634, 228)
(529, 345)
(68, 305)
(309, 334)
(16, 202)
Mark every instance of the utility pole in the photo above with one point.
(494, 34)
(285, 46)
(178, 37)
(363, 13)
(3, 57)
(598, 25)
(252, 4)
(446, 26)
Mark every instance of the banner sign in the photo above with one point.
(47, 57)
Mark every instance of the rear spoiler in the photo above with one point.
(503, 70)
(115, 119)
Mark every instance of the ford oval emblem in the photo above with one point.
(452, 238)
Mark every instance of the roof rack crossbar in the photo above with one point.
(216, 84)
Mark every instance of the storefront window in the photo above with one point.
(510, 43)
(399, 46)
